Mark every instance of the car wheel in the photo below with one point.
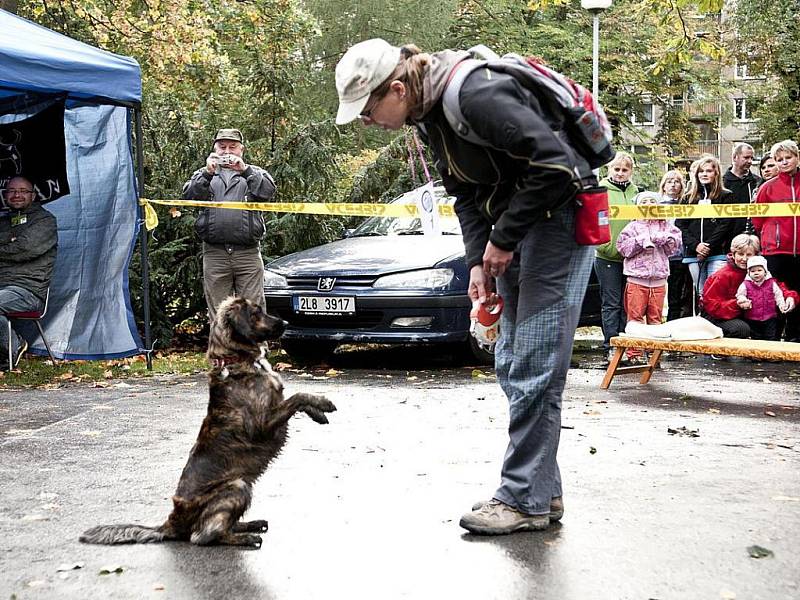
(480, 353)
(309, 351)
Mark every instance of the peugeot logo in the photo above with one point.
(325, 284)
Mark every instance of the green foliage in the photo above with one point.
(767, 39)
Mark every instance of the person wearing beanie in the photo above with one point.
(646, 245)
(760, 296)
(232, 263)
(515, 201)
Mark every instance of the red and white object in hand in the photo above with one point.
(485, 320)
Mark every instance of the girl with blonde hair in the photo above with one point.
(706, 240)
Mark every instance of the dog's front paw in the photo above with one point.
(323, 404)
(316, 414)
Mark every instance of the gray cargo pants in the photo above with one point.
(232, 272)
(543, 291)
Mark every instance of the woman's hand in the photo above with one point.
(495, 260)
(479, 287)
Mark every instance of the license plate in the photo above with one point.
(324, 305)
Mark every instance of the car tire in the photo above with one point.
(309, 351)
(479, 353)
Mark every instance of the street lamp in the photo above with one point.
(595, 7)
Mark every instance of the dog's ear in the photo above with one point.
(238, 321)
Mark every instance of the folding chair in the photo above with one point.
(31, 315)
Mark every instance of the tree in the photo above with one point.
(766, 40)
(649, 50)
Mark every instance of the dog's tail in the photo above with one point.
(123, 534)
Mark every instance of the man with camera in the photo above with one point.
(232, 263)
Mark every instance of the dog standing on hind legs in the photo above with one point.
(244, 430)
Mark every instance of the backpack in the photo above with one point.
(585, 122)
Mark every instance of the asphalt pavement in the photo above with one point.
(673, 490)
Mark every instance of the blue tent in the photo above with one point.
(89, 314)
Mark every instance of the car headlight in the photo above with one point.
(273, 280)
(427, 279)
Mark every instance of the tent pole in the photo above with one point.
(143, 238)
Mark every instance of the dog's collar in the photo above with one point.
(229, 360)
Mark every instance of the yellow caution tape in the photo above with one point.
(706, 211)
(615, 213)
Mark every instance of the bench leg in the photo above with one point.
(651, 366)
(612, 368)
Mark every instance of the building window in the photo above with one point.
(642, 114)
(742, 111)
(745, 71)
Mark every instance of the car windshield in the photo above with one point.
(381, 226)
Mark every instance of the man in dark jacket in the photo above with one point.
(743, 183)
(28, 242)
(232, 263)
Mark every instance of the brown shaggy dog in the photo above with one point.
(245, 429)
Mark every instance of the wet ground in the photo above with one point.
(666, 487)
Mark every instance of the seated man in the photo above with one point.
(28, 241)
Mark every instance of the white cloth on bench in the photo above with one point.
(685, 329)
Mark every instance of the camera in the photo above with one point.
(226, 160)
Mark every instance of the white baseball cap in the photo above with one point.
(360, 71)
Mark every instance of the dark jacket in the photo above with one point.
(714, 232)
(744, 190)
(28, 249)
(230, 227)
(503, 189)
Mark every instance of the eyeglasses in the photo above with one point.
(17, 191)
(367, 114)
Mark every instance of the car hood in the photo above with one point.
(371, 255)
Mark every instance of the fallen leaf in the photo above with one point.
(159, 587)
(592, 450)
(684, 431)
(478, 374)
(69, 567)
(766, 380)
(714, 410)
(759, 552)
(65, 376)
(108, 374)
(332, 372)
(281, 366)
(107, 570)
(769, 413)
(174, 212)
(592, 413)
(786, 498)
(727, 595)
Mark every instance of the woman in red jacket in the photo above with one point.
(720, 305)
(780, 236)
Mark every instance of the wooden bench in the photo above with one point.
(758, 349)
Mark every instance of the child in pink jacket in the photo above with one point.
(761, 298)
(646, 245)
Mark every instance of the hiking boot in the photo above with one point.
(556, 507)
(496, 518)
(23, 346)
